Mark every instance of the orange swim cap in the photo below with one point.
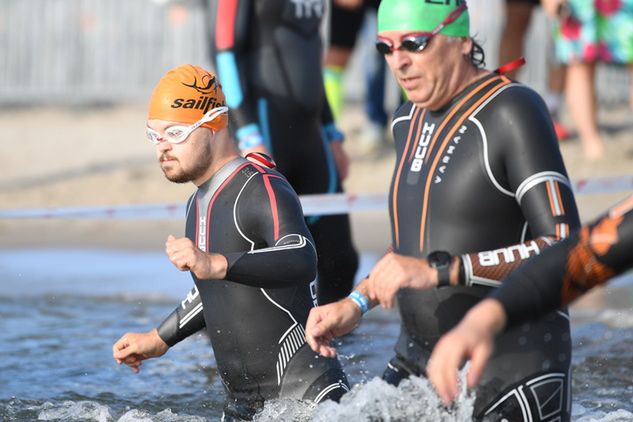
(185, 94)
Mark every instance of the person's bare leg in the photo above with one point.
(556, 77)
(337, 56)
(554, 97)
(631, 86)
(582, 103)
(336, 59)
(518, 17)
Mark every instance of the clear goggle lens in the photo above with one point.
(179, 133)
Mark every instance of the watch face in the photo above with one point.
(439, 259)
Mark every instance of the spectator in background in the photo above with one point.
(268, 57)
(587, 32)
(346, 21)
(518, 14)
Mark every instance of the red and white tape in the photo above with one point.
(325, 204)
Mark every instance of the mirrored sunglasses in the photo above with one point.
(412, 43)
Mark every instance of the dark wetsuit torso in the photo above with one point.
(589, 257)
(255, 318)
(268, 57)
(475, 178)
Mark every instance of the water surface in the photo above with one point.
(61, 310)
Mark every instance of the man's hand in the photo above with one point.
(472, 339)
(187, 257)
(341, 160)
(329, 321)
(133, 348)
(394, 272)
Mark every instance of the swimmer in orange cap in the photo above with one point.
(249, 252)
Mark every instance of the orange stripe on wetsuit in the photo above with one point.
(447, 138)
(553, 194)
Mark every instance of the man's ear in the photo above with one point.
(467, 45)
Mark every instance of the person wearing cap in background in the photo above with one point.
(590, 257)
(248, 250)
(268, 56)
(479, 186)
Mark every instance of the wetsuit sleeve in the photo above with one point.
(591, 256)
(532, 169)
(184, 321)
(269, 216)
(231, 21)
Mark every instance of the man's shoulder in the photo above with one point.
(515, 102)
(404, 110)
(265, 180)
(517, 93)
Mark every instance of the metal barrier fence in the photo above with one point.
(91, 51)
(61, 51)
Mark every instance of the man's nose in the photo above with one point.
(163, 145)
(401, 58)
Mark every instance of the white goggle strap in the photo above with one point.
(211, 115)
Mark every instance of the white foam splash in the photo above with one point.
(93, 411)
(285, 410)
(413, 400)
(75, 410)
(620, 415)
(166, 415)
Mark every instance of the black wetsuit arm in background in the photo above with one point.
(532, 168)
(229, 41)
(327, 118)
(591, 256)
(184, 321)
(270, 216)
(328, 125)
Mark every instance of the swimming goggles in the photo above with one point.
(179, 133)
(417, 41)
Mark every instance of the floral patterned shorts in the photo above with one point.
(595, 30)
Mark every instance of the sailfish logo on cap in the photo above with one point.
(211, 85)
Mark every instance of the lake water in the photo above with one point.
(61, 310)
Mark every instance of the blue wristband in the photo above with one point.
(360, 300)
(332, 134)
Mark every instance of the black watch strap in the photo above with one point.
(441, 260)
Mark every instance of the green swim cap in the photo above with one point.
(422, 15)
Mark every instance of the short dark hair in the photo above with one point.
(477, 55)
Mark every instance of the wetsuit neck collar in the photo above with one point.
(211, 185)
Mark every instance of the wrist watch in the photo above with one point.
(441, 260)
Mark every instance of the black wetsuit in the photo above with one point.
(589, 257)
(483, 174)
(255, 318)
(268, 57)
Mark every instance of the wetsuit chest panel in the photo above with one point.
(444, 175)
(245, 323)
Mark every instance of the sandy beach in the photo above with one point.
(96, 156)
